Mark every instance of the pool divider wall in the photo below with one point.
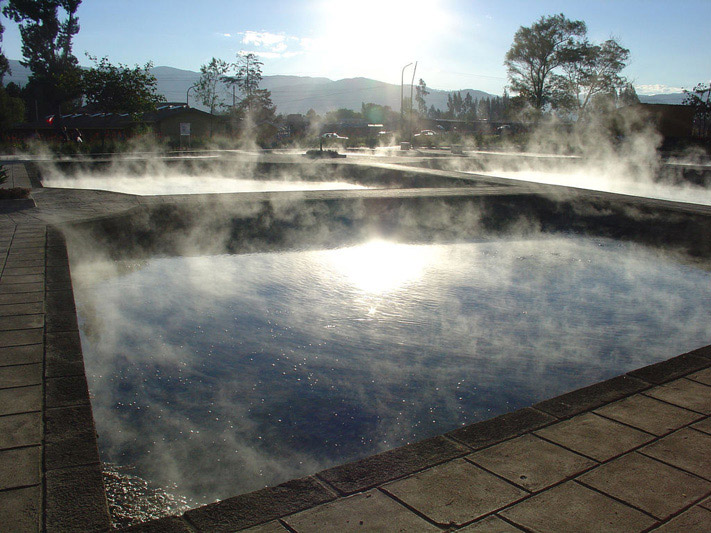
(259, 169)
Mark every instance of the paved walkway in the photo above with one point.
(629, 454)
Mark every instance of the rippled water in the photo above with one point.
(219, 375)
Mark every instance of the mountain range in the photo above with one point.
(298, 94)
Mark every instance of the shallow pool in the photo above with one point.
(218, 375)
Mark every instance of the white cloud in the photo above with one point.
(657, 89)
(264, 39)
(270, 55)
(272, 45)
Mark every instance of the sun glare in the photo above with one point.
(373, 34)
(379, 266)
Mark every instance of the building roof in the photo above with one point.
(86, 119)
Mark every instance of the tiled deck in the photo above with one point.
(629, 454)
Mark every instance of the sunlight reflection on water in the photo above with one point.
(227, 373)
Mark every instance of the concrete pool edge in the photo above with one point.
(75, 495)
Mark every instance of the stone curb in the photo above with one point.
(75, 499)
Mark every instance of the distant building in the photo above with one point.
(169, 121)
(673, 122)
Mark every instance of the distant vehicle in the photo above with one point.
(333, 135)
(425, 133)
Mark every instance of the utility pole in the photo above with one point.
(402, 90)
(412, 87)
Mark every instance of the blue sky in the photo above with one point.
(458, 44)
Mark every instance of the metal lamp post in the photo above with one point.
(187, 95)
(402, 95)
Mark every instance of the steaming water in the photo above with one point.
(615, 182)
(220, 375)
(186, 184)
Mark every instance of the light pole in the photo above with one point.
(412, 87)
(402, 95)
(187, 95)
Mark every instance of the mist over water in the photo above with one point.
(217, 375)
(609, 180)
(177, 183)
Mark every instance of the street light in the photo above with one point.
(187, 95)
(412, 87)
(402, 94)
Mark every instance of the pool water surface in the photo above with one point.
(218, 375)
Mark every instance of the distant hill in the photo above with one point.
(291, 94)
(298, 94)
(672, 98)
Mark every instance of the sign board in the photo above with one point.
(185, 128)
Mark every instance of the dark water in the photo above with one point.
(218, 375)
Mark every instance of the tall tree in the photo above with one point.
(12, 108)
(421, 93)
(47, 47)
(628, 96)
(119, 88)
(536, 52)
(590, 71)
(212, 76)
(248, 73)
(4, 64)
(700, 99)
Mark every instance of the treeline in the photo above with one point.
(495, 109)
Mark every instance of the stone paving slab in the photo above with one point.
(687, 449)
(18, 355)
(21, 510)
(20, 467)
(648, 414)
(12, 310)
(572, 507)
(695, 520)
(20, 375)
(20, 400)
(684, 393)
(20, 337)
(704, 425)
(594, 436)
(369, 511)
(454, 493)
(24, 429)
(702, 376)
(490, 524)
(644, 483)
(531, 463)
